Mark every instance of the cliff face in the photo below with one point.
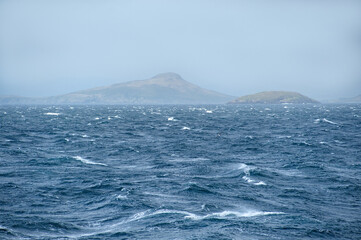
(273, 97)
(166, 88)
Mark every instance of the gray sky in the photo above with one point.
(235, 47)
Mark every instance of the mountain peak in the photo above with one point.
(168, 76)
(169, 79)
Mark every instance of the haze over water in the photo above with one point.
(235, 47)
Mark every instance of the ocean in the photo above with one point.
(180, 172)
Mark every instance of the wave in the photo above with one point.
(185, 214)
(328, 121)
(318, 120)
(249, 180)
(246, 169)
(121, 197)
(241, 214)
(4, 229)
(86, 161)
(182, 160)
(52, 114)
(193, 216)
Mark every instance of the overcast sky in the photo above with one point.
(235, 47)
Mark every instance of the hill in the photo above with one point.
(165, 88)
(273, 97)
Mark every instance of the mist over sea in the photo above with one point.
(180, 172)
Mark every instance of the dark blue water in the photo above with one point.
(180, 172)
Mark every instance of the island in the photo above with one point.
(273, 97)
(164, 88)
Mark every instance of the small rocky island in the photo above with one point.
(273, 97)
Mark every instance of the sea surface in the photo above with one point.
(180, 172)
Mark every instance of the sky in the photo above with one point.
(236, 47)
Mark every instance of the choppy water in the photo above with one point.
(180, 172)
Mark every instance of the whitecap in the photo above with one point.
(137, 216)
(197, 159)
(4, 229)
(223, 214)
(328, 121)
(260, 183)
(242, 214)
(249, 180)
(259, 213)
(324, 120)
(171, 119)
(306, 143)
(121, 197)
(284, 136)
(52, 114)
(288, 172)
(86, 161)
(246, 169)
(186, 128)
(209, 111)
(187, 215)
